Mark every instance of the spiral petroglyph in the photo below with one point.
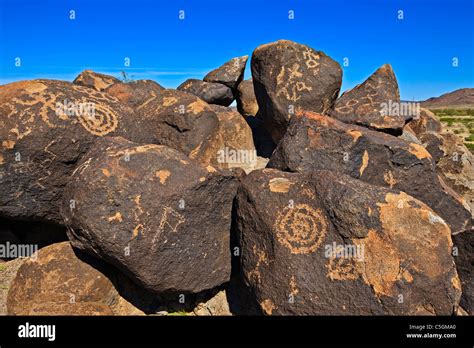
(302, 229)
(100, 122)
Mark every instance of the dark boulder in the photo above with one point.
(229, 74)
(289, 77)
(328, 244)
(210, 92)
(160, 217)
(318, 142)
(375, 103)
(135, 93)
(246, 100)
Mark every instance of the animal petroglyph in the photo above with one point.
(171, 220)
(302, 229)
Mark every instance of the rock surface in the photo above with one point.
(425, 122)
(246, 100)
(45, 128)
(210, 92)
(238, 148)
(216, 306)
(229, 74)
(329, 244)
(454, 161)
(464, 258)
(56, 282)
(374, 104)
(135, 93)
(184, 122)
(289, 77)
(160, 217)
(99, 82)
(315, 142)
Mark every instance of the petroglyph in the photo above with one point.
(293, 86)
(342, 269)
(100, 122)
(301, 229)
(170, 219)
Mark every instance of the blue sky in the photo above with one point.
(420, 47)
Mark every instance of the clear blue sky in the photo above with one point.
(163, 48)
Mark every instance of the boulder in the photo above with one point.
(246, 101)
(375, 103)
(425, 122)
(328, 244)
(184, 122)
(215, 306)
(210, 92)
(45, 128)
(464, 257)
(8, 271)
(238, 149)
(288, 77)
(135, 93)
(229, 74)
(94, 80)
(315, 141)
(455, 162)
(56, 282)
(157, 215)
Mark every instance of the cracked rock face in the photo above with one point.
(315, 141)
(326, 243)
(289, 77)
(160, 217)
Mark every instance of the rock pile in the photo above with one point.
(168, 206)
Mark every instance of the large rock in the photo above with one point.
(464, 258)
(57, 282)
(45, 128)
(212, 93)
(229, 74)
(8, 271)
(425, 122)
(315, 142)
(289, 77)
(184, 122)
(246, 100)
(99, 82)
(375, 103)
(238, 148)
(327, 244)
(135, 93)
(454, 160)
(160, 217)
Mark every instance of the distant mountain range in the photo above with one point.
(459, 98)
